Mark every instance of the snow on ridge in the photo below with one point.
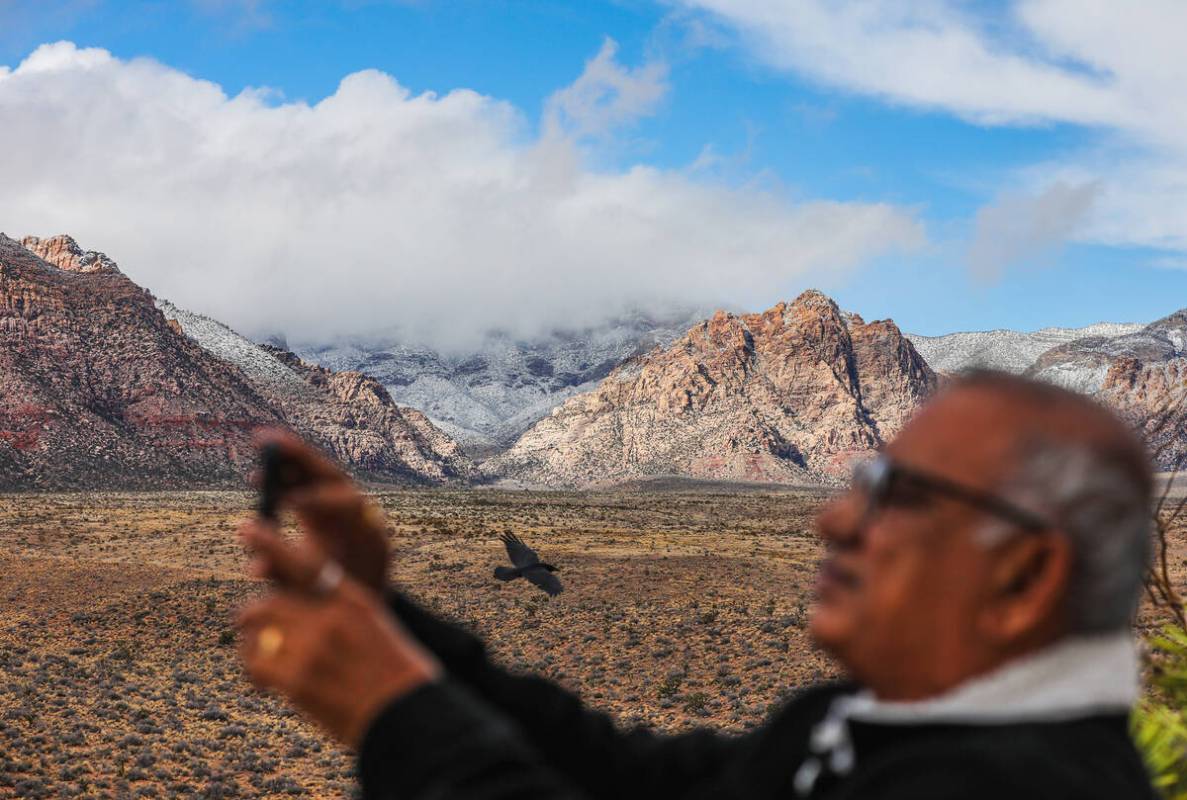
(1079, 377)
(492, 393)
(1008, 350)
(222, 342)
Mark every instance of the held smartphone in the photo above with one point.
(278, 474)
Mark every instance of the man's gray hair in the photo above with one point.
(1104, 508)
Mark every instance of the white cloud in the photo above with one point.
(1020, 227)
(376, 206)
(606, 96)
(1116, 67)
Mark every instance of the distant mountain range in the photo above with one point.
(1011, 351)
(587, 432)
(1141, 374)
(100, 388)
(789, 395)
(487, 396)
(104, 385)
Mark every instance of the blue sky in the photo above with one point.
(739, 103)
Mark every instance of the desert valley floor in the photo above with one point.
(118, 671)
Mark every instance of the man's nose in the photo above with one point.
(839, 522)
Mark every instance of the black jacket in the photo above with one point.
(484, 733)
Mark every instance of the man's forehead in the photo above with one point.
(969, 434)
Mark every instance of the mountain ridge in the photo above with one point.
(1003, 348)
(99, 389)
(103, 383)
(490, 394)
(776, 396)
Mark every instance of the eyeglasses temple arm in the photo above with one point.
(975, 497)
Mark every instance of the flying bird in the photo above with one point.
(527, 564)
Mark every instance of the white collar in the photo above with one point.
(1074, 678)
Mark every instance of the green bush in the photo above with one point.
(670, 686)
(1159, 725)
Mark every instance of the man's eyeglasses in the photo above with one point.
(880, 477)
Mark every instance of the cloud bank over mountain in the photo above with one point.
(1115, 69)
(446, 214)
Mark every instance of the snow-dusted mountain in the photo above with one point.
(102, 387)
(1084, 365)
(1139, 371)
(1141, 375)
(256, 362)
(791, 395)
(489, 395)
(1010, 351)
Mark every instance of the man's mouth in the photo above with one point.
(834, 576)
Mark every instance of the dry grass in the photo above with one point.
(118, 674)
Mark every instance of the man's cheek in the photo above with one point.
(888, 598)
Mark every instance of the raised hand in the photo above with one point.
(328, 643)
(336, 518)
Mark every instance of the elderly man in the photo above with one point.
(979, 584)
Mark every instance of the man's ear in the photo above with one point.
(1027, 587)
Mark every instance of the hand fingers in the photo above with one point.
(280, 608)
(331, 500)
(265, 673)
(331, 509)
(356, 594)
(281, 633)
(292, 567)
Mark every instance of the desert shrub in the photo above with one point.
(122, 651)
(671, 685)
(1159, 724)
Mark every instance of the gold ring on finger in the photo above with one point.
(269, 641)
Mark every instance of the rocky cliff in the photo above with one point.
(98, 388)
(1140, 374)
(792, 394)
(355, 419)
(489, 393)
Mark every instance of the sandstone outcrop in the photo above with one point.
(1142, 375)
(352, 416)
(99, 389)
(64, 253)
(792, 394)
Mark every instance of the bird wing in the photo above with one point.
(520, 554)
(545, 580)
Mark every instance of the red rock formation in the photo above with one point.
(98, 389)
(353, 418)
(1142, 375)
(1152, 398)
(64, 253)
(790, 394)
